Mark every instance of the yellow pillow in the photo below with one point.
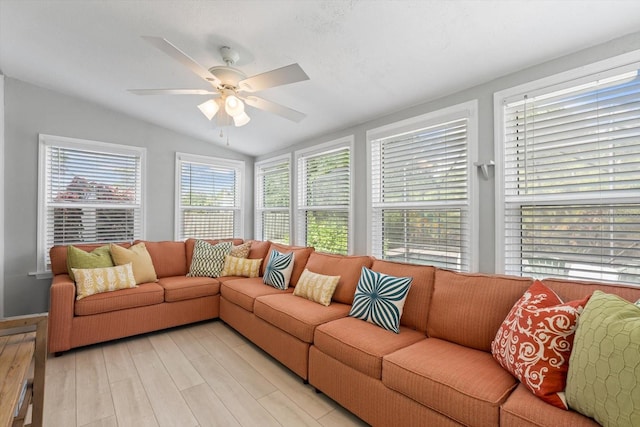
(316, 287)
(91, 281)
(234, 266)
(241, 251)
(140, 261)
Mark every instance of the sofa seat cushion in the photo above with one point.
(297, 316)
(244, 291)
(179, 288)
(523, 408)
(361, 345)
(462, 383)
(140, 296)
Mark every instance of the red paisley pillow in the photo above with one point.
(534, 342)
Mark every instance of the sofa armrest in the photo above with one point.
(61, 304)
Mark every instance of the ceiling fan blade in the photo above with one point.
(281, 76)
(272, 107)
(172, 92)
(168, 48)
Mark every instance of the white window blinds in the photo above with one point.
(91, 192)
(209, 197)
(572, 180)
(272, 199)
(324, 199)
(420, 197)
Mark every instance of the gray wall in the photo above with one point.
(30, 110)
(484, 94)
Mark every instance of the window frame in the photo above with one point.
(45, 141)
(259, 209)
(562, 80)
(469, 110)
(315, 150)
(238, 165)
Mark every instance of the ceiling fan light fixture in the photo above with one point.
(209, 108)
(233, 106)
(241, 119)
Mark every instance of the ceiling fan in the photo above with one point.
(231, 88)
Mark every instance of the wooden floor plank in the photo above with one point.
(225, 381)
(118, 361)
(189, 345)
(60, 391)
(286, 412)
(238, 400)
(242, 371)
(93, 394)
(304, 395)
(182, 372)
(132, 405)
(165, 398)
(208, 408)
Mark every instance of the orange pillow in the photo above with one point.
(535, 340)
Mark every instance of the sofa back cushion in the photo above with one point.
(300, 257)
(348, 267)
(169, 258)
(58, 255)
(572, 289)
(468, 309)
(189, 244)
(259, 250)
(416, 307)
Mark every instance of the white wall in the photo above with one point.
(484, 94)
(31, 110)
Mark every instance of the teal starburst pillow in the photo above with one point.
(379, 299)
(278, 270)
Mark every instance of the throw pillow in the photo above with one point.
(90, 281)
(379, 299)
(604, 369)
(241, 251)
(534, 342)
(234, 266)
(77, 258)
(316, 287)
(638, 303)
(278, 270)
(140, 261)
(208, 259)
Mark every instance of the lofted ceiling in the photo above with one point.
(364, 58)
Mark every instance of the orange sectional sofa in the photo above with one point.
(438, 371)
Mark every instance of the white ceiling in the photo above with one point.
(365, 58)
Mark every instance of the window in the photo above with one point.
(421, 192)
(209, 197)
(570, 196)
(272, 199)
(324, 197)
(89, 192)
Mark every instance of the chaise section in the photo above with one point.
(464, 384)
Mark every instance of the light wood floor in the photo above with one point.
(200, 375)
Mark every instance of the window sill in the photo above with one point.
(40, 275)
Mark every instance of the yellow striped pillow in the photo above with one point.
(234, 266)
(91, 281)
(316, 287)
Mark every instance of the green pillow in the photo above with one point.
(603, 381)
(98, 258)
